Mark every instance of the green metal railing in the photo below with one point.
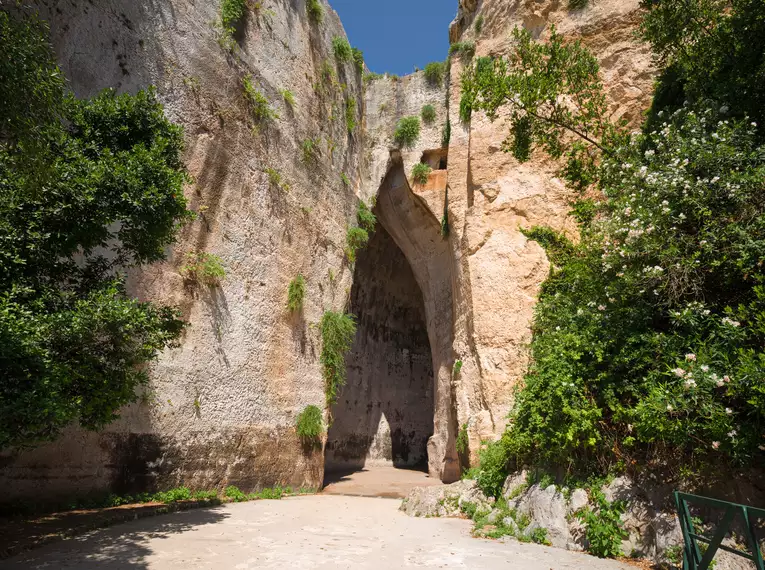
(693, 558)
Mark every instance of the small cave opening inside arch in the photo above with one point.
(383, 416)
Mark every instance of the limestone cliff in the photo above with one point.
(221, 408)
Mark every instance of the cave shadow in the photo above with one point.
(384, 413)
(125, 546)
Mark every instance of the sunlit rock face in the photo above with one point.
(221, 408)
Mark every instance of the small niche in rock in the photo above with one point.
(437, 159)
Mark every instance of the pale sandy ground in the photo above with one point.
(377, 481)
(312, 532)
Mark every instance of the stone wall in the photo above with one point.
(221, 408)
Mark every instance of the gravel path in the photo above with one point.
(313, 532)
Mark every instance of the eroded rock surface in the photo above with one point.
(221, 408)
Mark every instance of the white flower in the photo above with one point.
(679, 372)
(762, 448)
(728, 411)
(726, 379)
(715, 444)
(732, 433)
(690, 357)
(731, 322)
(601, 308)
(690, 383)
(705, 368)
(669, 408)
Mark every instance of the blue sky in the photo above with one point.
(396, 35)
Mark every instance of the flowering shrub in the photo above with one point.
(649, 336)
(649, 333)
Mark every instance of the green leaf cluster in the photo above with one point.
(356, 238)
(434, 73)
(463, 49)
(232, 12)
(420, 173)
(88, 188)
(342, 49)
(337, 333)
(603, 526)
(203, 267)
(315, 10)
(428, 114)
(358, 58)
(259, 105)
(367, 220)
(407, 132)
(310, 424)
(296, 293)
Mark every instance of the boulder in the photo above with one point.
(445, 500)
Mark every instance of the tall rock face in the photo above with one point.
(491, 196)
(444, 293)
(221, 408)
(481, 286)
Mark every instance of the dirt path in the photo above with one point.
(313, 532)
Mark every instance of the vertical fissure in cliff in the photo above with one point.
(398, 405)
(384, 414)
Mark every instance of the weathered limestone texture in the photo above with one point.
(221, 408)
(385, 411)
(497, 271)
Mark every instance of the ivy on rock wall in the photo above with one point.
(87, 188)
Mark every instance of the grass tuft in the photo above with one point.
(407, 132)
(296, 293)
(310, 424)
(428, 114)
(342, 49)
(420, 173)
(315, 10)
(337, 333)
(434, 73)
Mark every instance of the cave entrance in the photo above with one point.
(383, 418)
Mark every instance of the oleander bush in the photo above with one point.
(648, 336)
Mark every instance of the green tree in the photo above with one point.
(87, 189)
(649, 332)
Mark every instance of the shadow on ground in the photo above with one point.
(122, 547)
